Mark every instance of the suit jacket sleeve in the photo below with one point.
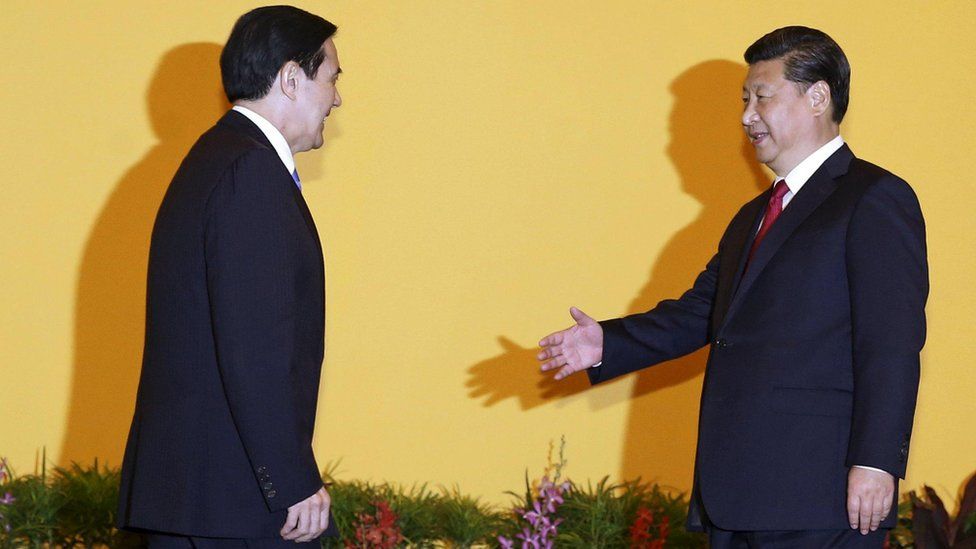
(675, 327)
(251, 280)
(888, 284)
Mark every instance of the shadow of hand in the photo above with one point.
(515, 374)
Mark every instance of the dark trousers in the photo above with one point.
(795, 539)
(166, 541)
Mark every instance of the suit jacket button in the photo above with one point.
(262, 469)
(268, 486)
(272, 493)
(721, 343)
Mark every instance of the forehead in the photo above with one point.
(331, 62)
(765, 74)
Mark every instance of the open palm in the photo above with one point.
(574, 349)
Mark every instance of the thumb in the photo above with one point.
(580, 317)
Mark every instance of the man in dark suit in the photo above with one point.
(220, 449)
(813, 308)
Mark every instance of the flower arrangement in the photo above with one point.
(540, 509)
(649, 531)
(75, 507)
(933, 528)
(7, 498)
(542, 528)
(378, 530)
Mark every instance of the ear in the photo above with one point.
(288, 78)
(819, 96)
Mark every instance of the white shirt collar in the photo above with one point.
(274, 136)
(799, 175)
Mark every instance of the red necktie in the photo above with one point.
(773, 209)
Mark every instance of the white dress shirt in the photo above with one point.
(274, 136)
(799, 175)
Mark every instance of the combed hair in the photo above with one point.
(263, 40)
(809, 55)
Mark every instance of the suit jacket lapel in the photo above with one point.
(820, 185)
(306, 214)
(739, 238)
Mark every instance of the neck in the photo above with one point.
(822, 137)
(270, 112)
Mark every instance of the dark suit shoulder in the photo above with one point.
(225, 158)
(866, 174)
(221, 145)
(877, 183)
(255, 181)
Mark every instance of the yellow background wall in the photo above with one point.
(493, 163)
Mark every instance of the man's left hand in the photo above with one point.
(869, 497)
(307, 519)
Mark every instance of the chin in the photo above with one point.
(765, 157)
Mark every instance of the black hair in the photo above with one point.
(263, 40)
(809, 55)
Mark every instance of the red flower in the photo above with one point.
(645, 534)
(377, 531)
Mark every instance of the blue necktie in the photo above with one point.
(294, 175)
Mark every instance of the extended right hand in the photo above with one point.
(308, 519)
(574, 349)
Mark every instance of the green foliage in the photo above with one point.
(969, 526)
(934, 528)
(415, 507)
(901, 536)
(89, 498)
(73, 506)
(32, 517)
(463, 521)
(601, 515)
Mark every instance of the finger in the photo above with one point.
(566, 371)
(864, 515)
(549, 352)
(301, 528)
(886, 506)
(290, 523)
(551, 339)
(877, 511)
(580, 317)
(313, 528)
(557, 362)
(853, 510)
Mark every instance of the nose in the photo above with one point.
(749, 115)
(337, 100)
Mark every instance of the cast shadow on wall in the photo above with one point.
(717, 167)
(184, 98)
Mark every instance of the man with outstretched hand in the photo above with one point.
(813, 309)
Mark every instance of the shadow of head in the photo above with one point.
(186, 94)
(708, 146)
(515, 374)
(184, 98)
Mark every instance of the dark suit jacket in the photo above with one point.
(814, 360)
(221, 439)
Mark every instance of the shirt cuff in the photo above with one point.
(871, 469)
(597, 365)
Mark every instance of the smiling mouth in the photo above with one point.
(758, 137)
